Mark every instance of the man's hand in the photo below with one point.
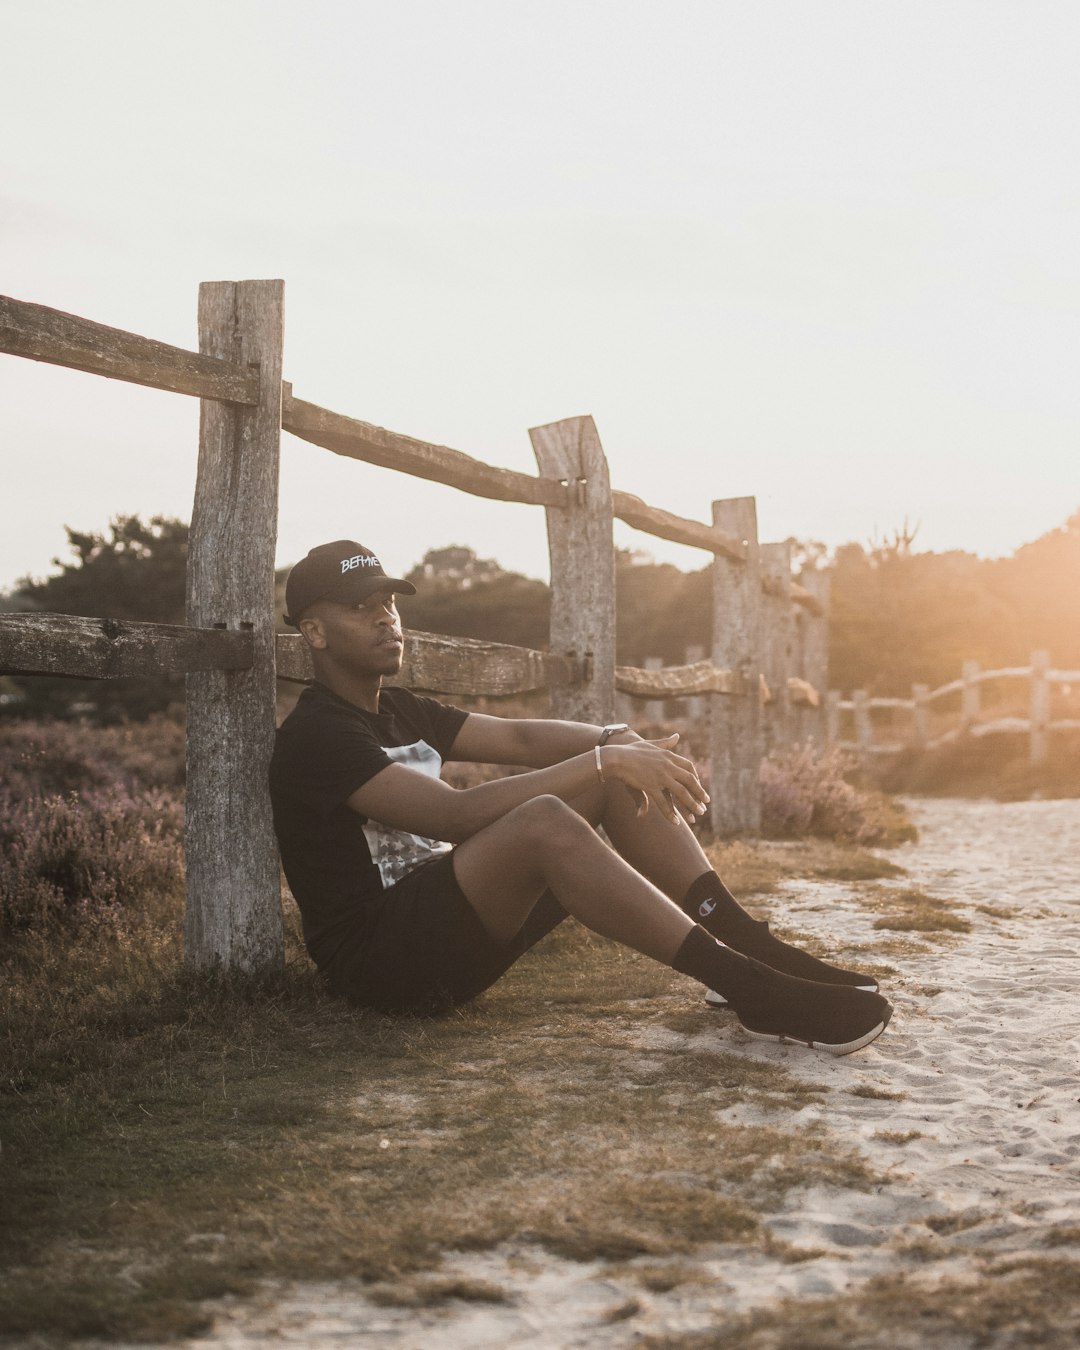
(656, 775)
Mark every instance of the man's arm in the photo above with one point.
(533, 742)
(406, 799)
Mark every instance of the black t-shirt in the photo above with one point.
(336, 860)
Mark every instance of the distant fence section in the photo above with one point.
(757, 687)
(967, 719)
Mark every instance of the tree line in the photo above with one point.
(898, 616)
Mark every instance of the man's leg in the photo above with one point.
(547, 845)
(669, 854)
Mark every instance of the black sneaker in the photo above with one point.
(832, 1017)
(752, 938)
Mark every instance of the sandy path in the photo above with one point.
(984, 1048)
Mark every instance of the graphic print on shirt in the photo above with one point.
(395, 852)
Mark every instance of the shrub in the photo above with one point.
(805, 791)
(996, 766)
(71, 858)
(91, 819)
(43, 759)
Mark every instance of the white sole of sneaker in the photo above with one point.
(715, 1000)
(848, 1048)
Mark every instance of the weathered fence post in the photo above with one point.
(813, 659)
(582, 565)
(969, 696)
(832, 716)
(736, 719)
(654, 709)
(233, 912)
(777, 642)
(920, 715)
(1040, 707)
(694, 707)
(864, 727)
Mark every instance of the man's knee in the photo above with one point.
(547, 821)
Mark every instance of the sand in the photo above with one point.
(983, 1140)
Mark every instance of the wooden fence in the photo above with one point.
(968, 719)
(760, 680)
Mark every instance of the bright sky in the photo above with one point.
(824, 252)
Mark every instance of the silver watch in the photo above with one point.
(612, 729)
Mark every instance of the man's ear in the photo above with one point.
(312, 631)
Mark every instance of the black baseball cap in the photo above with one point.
(344, 571)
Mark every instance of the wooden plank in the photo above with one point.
(736, 740)
(953, 687)
(450, 665)
(50, 335)
(802, 693)
(664, 525)
(864, 726)
(777, 643)
(375, 445)
(696, 706)
(807, 599)
(812, 646)
(582, 566)
(969, 695)
(654, 709)
(832, 717)
(105, 649)
(998, 727)
(233, 912)
(920, 722)
(700, 677)
(1008, 673)
(1039, 746)
(793, 591)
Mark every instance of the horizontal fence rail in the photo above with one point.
(374, 445)
(60, 339)
(702, 677)
(757, 689)
(446, 665)
(969, 719)
(103, 649)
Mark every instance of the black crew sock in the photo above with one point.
(709, 903)
(707, 960)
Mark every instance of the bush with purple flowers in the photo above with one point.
(805, 791)
(91, 821)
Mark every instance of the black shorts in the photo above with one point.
(423, 948)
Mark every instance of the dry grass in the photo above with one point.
(756, 868)
(988, 766)
(907, 910)
(169, 1139)
(1021, 1303)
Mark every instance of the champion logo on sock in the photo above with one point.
(706, 908)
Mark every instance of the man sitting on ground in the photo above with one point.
(416, 896)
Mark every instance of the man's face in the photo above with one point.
(362, 638)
